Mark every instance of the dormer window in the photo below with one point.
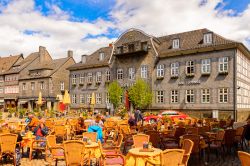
(131, 48)
(101, 56)
(176, 43)
(208, 38)
(120, 50)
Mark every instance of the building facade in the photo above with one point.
(197, 72)
(5, 64)
(46, 75)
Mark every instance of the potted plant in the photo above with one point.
(21, 113)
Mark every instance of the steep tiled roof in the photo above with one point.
(7, 62)
(93, 59)
(24, 63)
(53, 66)
(189, 41)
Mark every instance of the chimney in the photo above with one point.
(70, 54)
(42, 51)
(110, 44)
(83, 58)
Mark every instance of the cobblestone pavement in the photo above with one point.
(230, 160)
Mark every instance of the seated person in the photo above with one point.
(41, 131)
(80, 127)
(97, 121)
(33, 122)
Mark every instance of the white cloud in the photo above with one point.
(23, 29)
(161, 17)
(58, 32)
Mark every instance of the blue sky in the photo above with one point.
(86, 25)
(81, 9)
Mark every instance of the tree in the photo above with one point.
(115, 92)
(140, 94)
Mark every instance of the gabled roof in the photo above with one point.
(189, 41)
(7, 62)
(24, 63)
(52, 65)
(93, 60)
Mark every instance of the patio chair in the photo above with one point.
(170, 157)
(192, 130)
(187, 146)
(155, 138)
(229, 141)
(107, 159)
(196, 140)
(139, 139)
(38, 146)
(60, 131)
(217, 143)
(244, 158)
(116, 146)
(56, 150)
(74, 152)
(239, 136)
(91, 135)
(8, 146)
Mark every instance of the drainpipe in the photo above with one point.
(235, 85)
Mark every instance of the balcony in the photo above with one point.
(130, 52)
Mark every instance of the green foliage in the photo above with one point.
(52, 113)
(22, 111)
(115, 92)
(12, 110)
(140, 94)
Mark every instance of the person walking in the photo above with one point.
(138, 117)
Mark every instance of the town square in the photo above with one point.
(125, 83)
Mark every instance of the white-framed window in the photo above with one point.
(131, 73)
(11, 89)
(205, 95)
(223, 95)
(90, 77)
(176, 43)
(98, 76)
(82, 99)
(160, 70)
(190, 96)
(82, 78)
(42, 85)
(144, 71)
(174, 96)
(107, 75)
(74, 98)
(205, 66)
(119, 74)
(24, 86)
(74, 79)
(190, 68)
(1, 90)
(160, 96)
(98, 98)
(62, 86)
(207, 38)
(174, 69)
(223, 64)
(101, 56)
(88, 98)
(32, 85)
(107, 98)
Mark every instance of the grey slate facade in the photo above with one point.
(206, 84)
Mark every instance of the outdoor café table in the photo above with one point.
(137, 158)
(93, 149)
